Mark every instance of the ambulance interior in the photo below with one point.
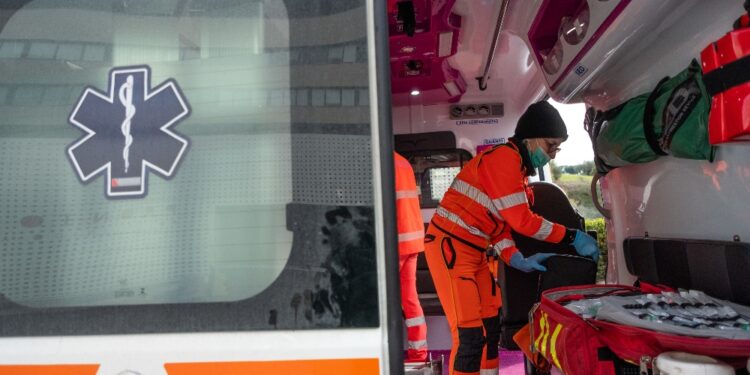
(267, 113)
(463, 72)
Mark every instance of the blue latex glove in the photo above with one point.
(586, 246)
(532, 263)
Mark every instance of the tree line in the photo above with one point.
(586, 168)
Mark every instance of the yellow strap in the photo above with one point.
(553, 346)
(545, 335)
(541, 333)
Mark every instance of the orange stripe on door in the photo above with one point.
(363, 366)
(49, 369)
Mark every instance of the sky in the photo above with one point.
(577, 148)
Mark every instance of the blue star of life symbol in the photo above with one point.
(128, 132)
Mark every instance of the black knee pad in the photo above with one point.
(469, 354)
(492, 327)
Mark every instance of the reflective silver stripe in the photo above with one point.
(475, 194)
(403, 237)
(417, 344)
(510, 200)
(407, 194)
(544, 231)
(454, 218)
(413, 322)
(489, 371)
(502, 245)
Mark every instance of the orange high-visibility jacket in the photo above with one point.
(487, 199)
(408, 215)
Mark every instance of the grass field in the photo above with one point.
(578, 189)
(568, 178)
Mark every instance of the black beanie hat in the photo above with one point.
(541, 120)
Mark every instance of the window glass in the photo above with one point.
(364, 98)
(69, 51)
(93, 52)
(194, 237)
(333, 97)
(27, 95)
(440, 180)
(42, 50)
(302, 95)
(350, 53)
(160, 162)
(434, 171)
(3, 94)
(318, 97)
(55, 95)
(11, 49)
(335, 53)
(347, 97)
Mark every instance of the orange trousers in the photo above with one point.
(470, 300)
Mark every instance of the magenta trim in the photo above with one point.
(602, 28)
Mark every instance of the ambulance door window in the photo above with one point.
(189, 159)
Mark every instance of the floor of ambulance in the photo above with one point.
(511, 361)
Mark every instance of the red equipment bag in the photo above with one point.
(726, 75)
(574, 344)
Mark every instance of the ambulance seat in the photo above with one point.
(521, 290)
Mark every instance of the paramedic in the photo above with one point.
(473, 223)
(410, 244)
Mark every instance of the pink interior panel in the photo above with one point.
(415, 61)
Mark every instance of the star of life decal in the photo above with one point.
(128, 132)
